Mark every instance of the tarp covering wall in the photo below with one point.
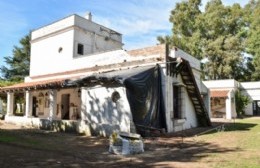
(145, 98)
(144, 92)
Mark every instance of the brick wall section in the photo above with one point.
(154, 50)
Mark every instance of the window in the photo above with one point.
(115, 96)
(177, 102)
(80, 49)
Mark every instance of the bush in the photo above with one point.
(241, 102)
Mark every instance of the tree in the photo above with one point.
(185, 32)
(241, 102)
(223, 40)
(18, 65)
(217, 34)
(252, 11)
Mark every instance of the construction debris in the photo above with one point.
(123, 143)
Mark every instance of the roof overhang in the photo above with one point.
(219, 93)
(37, 85)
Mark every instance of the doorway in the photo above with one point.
(65, 106)
(256, 108)
(34, 106)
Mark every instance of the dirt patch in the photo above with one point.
(24, 147)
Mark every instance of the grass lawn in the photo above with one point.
(237, 146)
(240, 141)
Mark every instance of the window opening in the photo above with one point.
(177, 102)
(80, 49)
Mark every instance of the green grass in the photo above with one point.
(4, 138)
(243, 138)
(12, 138)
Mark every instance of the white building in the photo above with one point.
(222, 93)
(81, 78)
(252, 90)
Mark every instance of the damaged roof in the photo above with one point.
(35, 85)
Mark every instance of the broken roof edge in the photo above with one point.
(57, 83)
(68, 82)
(115, 77)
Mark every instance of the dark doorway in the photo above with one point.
(65, 106)
(34, 106)
(256, 108)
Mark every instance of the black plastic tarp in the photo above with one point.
(144, 92)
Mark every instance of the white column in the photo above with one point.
(10, 103)
(208, 103)
(28, 104)
(53, 103)
(228, 106)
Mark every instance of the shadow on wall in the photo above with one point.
(106, 117)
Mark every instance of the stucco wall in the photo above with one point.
(222, 84)
(98, 29)
(45, 55)
(253, 94)
(94, 42)
(249, 109)
(188, 119)
(102, 114)
(54, 47)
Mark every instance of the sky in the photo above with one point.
(140, 21)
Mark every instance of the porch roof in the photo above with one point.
(51, 83)
(219, 93)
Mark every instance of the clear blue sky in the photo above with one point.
(140, 21)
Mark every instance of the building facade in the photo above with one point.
(81, 79)
(222, 94)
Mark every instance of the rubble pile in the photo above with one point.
(126, 143)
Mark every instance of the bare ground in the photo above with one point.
(31, 148)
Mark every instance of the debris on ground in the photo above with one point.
(125, 143)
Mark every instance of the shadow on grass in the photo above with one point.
(228, 127)
(239, 126)
(50, 149)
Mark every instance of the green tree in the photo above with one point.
(18, 64)
(185, 32)
(241, 102)
(217, 34)
(252, 11)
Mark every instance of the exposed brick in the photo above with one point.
(154, 50)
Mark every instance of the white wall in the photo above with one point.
(189, 118)
(230, 105)
(102, 114)
(194, 63)
(54, 47)
(252, 90)
(94, 42)
(189, 111)
(249, 109)
(222, 84)
(45, 56)
(98, 29)
(52, 28)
